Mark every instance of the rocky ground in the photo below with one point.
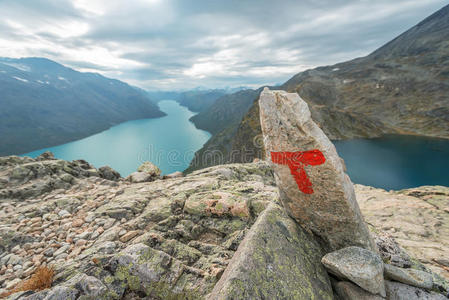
(66, 215)
(177, 238)
(417, 218)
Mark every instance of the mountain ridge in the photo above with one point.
(44, 104)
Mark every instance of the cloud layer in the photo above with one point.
(173, 44)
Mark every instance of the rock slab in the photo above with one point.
(400, 291)
(276, 260)
(412, 277)
(361, 266)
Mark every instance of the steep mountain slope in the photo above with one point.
(43, 103)
(226, 111)
(198, 101)
(401, 88)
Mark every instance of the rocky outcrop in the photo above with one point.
(167, 238)
(24, 177)
(310, 175)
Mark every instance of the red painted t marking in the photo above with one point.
(296, 162)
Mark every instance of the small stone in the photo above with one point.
(63, 213)
(12, 283)
(17, 267)
(61, 256)
(28, 271)
(109, 223)
(27, 246)
(361, 266)
(15, 260)
(128, 236)
(37, 259)
(94, 235)
(77, 222)
(27, 264)
(47, 155)
(84, 235)
(67, 178)
(90, 217)
(176, 174)
(61, 250)
(76, 251)
(149, 168)
(80, 243)
(107, 247)
(109, 173)
(49, 252)
(139, 177)
(412, 277)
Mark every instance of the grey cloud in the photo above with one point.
(215, 43)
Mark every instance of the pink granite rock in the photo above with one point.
(310, 175)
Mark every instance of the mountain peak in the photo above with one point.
(428, 36)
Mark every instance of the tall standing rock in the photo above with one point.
(310, 175)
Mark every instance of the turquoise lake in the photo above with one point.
(396, 162)
(390, 162)
(169, 142)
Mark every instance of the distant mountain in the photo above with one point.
(43, 103)
(222, 119)
(401, 88)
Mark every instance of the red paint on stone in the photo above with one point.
(296, 162)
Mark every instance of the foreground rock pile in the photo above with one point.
(361, 274)
(117, 239)
(219, 233)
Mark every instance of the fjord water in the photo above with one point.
(390, 162)
(169, 142)
(396, 161)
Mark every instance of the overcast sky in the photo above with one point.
(177, 44)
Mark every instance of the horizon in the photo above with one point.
(203, 46)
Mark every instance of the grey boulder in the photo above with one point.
(412, 277)
(361, 266)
